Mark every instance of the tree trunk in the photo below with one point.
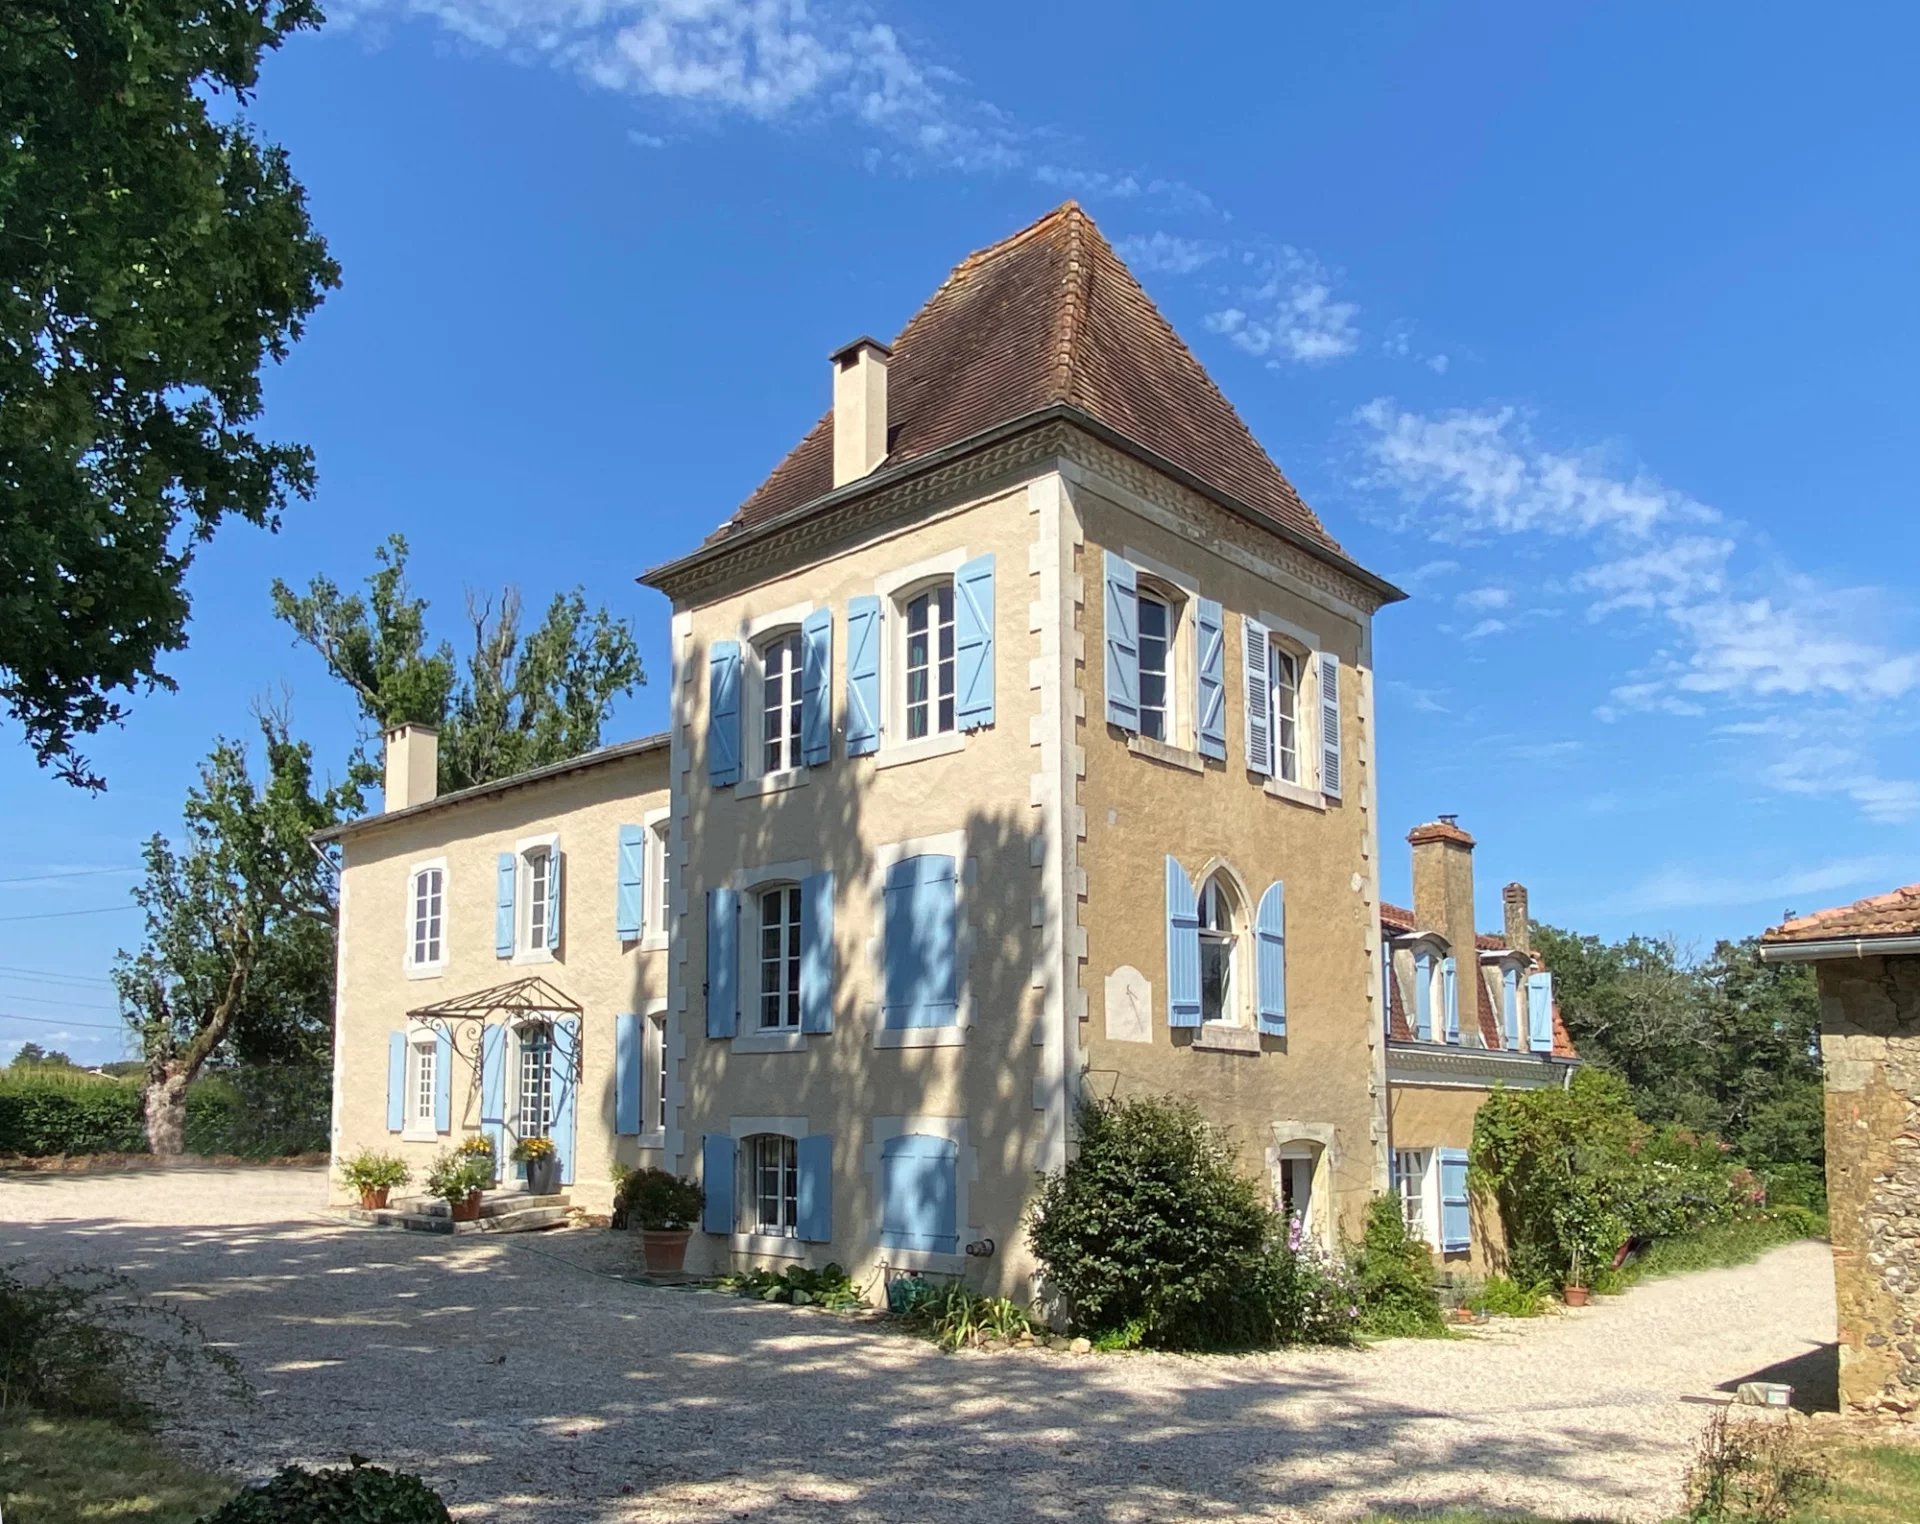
(166, 1113)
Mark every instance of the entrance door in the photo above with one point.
(1293, 1188)
(542, 1065)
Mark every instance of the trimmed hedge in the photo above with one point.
(259, 1113)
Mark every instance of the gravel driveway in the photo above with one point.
(528, 1385)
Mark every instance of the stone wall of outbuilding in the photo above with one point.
(1870, 1047)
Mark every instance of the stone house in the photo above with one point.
(1021, 750)
(1867, 958)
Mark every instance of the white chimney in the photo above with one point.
(859, 409)
(413, 765)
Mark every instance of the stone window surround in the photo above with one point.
(654, 829)
(1305, 647)
(966, 1172)
(1179, 589)
(947, 844)
(1319, 1141)
(433, 968)
(754, 633)
(894, 588)
(1241, 1034)
(747, 883)
(1500, 962)
(523, 952)
(415, 1128)
(1429, 1192)
(653, 1039)
(1411, 943)
(766, 1245)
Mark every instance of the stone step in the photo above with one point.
(511, 1213)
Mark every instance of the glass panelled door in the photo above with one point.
(533, 1116)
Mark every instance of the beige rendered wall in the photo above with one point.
(1321, 1085)
(602, 974)
(843, 816)
(1441, 1116)
(1870, 1048)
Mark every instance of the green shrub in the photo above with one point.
(657, 1199)
(251, 1111)
(358, 1495)
(1393, 1277)
(1751, 1471)
(82, 1342)
(830, 1286)
(1505, 1298)
(1795, 1185)
(371, 1171)
(1151, 1227)
(43, 1113)
(954, 1317)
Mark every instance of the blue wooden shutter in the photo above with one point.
(1256, 651)
(1450, 996)
(442, 1082)
(556, 874)
(1270, 961)
(1510, 1005)
(723, 963)
(723, 713)
(1540, 1013)
(863, 676)
(627, 1048)
(493, 1088)
(919, 930)
(973, 645)
(1423, 996)
(1211, 647)
(816, 687)
(396, 1081)
(813, 1191)
(717, 1154)
(1330, 755)
(1183, 949)
(506, 874)
(816, 953)
(1456, 1222)
(629, 905)
(564, 1059)
(919, 1189)
(1123, 645)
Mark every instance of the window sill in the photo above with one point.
(768, 1246)
(534, 955)
(904, 752)
(1293, 793)
(770, 783)
(651, 1140)
(1160, 751)
(1224, 1037)
(419, 1134)
(654, 941)
(425, 970)
(775, 1040)
(934, 1260)
(920, 1037)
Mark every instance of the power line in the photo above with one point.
(54, 915)
(55, 1021)
(41, 878)
(50, 976)
(57, 1000)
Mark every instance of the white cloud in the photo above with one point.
(1438, 364)
(645, 139)
(1485, 628)
(1485, 598)
(1167, 253)
(1288, 310)
(1685, 887)
(1545, 751)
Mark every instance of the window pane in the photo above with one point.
(1156, 623)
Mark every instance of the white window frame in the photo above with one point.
(745, 1241)
(1238, 1010)
(783, 965)
(791, 717)
(1425, 1196)
(948, 844)
(430, 968)
(514, 1078)
(755, 634)
(937, 678)
(656, 1075)
(525, 949)
(656, 894)
(1179, 590)
(423, 1056)
(1304, 647)
(747, 884)
(895, 590)
(1298, 1161)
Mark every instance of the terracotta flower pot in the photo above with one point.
(1575, 1296)
(665, 1249)
(467, 1210)
(374, 1198)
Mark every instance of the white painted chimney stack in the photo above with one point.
(859, 409)
(413, 766)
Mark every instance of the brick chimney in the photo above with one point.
(1513, 899)
(859, 409)
(413, 766)
(1443, 893)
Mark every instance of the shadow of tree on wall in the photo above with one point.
(528, 1389)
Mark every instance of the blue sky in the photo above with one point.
(1591, 325)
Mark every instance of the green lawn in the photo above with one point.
(76, 1470)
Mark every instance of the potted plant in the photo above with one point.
(458, 1178)
(1574, 1293)
(664, 1208)
(373, 1177)
(542, 1162)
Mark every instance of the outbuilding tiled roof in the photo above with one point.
(1048, 316)
(1896, 914)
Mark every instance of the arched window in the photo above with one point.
(780, 702)
(1220, 926)
(779, 907)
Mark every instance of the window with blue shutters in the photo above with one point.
(920, 932)
(1456, 1217)
(719, 1181)
(1210, 678)
(929, 662)
(1332, 764)
(1540, 1013)
(723, 713)
(630, 866)
(1423, 994)
(816, 953)
(396, 1081)
(1183, 948)
(816, 689)
(1450, 996)
(861, 725)
(1270, 962)
(627, 1066)
(919, 1194)
(1121, 601)
(1510, 1005)
(975, 655)
(506, 888)
(723, 970)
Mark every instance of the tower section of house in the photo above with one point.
(1466, 1011)
(1021, 752)
(502, 965)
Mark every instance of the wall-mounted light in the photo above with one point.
(980, 1248)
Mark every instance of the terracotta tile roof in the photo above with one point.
(1048, 316)
(1884, 915)
(1397, 920)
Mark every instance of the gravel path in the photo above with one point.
(528, 1386)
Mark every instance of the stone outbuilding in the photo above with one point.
(1867, 956)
